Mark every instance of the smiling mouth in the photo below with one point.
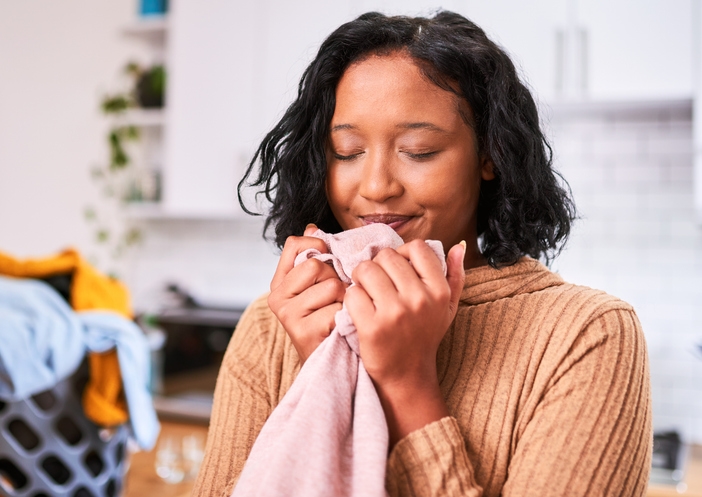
(395, 221)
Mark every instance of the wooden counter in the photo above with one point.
(142, 480)
(692, 483)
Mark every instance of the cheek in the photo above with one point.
(447, 185)
(338, 189)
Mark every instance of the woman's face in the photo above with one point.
(400, 153)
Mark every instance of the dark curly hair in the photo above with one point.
(526, 210)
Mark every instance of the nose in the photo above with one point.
(380, 180)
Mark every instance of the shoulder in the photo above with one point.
(576, 322)
(531, 289)
(581, 305)
(529, 300)
(578, 319)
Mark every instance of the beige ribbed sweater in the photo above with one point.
(547, 385)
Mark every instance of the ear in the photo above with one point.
(487, 168)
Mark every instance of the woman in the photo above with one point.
(499, 379)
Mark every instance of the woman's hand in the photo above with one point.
(402, 312)
(305, 298)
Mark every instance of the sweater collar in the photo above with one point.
(487, 284)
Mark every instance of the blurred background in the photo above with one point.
(123, 134)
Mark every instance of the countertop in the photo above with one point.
(142, 479)
(692, 482)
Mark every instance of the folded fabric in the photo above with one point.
(103, 398)
(42, 341)
(328, 436)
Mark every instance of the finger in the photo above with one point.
(321, 295)
(293, 246)
(326, 315)
(376, 282)
(424, 261)
(305, 275)
(456, 274)
(360, 306)
(310, 228)
(398, 268)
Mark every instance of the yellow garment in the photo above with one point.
(103, 397)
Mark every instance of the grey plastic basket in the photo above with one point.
(49, 448)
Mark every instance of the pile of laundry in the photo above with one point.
(54, 312)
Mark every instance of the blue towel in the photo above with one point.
(43, 341)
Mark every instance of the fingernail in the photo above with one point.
(311, 225)
(462, 243)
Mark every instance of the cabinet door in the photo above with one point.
(527, 31)
(209, 100)
(233, 69)
(634, 49)
(638, 49)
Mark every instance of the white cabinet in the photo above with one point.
(634, 49)
(233, 68)
(639, 50)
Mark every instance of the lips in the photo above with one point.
(395, 221)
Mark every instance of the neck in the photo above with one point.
(473, 257)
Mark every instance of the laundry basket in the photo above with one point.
(49, 448)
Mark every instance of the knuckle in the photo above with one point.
(417, 305)
(364, 267)
(327, 286)
(272, 299)
(291, 242)
(416, 244)
(443, 293)
(310, 267)
(395, 312)
(384, 254)
(318, 244)
(281, 313)
(337, 285)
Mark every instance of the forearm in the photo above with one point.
(410, 405)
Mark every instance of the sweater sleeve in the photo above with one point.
(241, 407)
(589, 434)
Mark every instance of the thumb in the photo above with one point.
(310, 228)
(455, 274)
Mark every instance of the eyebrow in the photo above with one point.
(340, 127)
(422, 125)
(418, 125)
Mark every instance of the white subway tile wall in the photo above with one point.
(219, 262)
(631, 176)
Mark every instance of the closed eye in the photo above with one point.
(422, 156)
(346, 157)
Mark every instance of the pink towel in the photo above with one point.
(328, 436)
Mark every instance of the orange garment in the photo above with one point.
(103, 397)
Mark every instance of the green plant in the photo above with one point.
(113, 180)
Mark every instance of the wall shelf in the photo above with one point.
(155, 211)
(142, 118)
(147, 27)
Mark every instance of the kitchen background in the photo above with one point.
(618, 82)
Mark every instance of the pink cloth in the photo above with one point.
(328, 436)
